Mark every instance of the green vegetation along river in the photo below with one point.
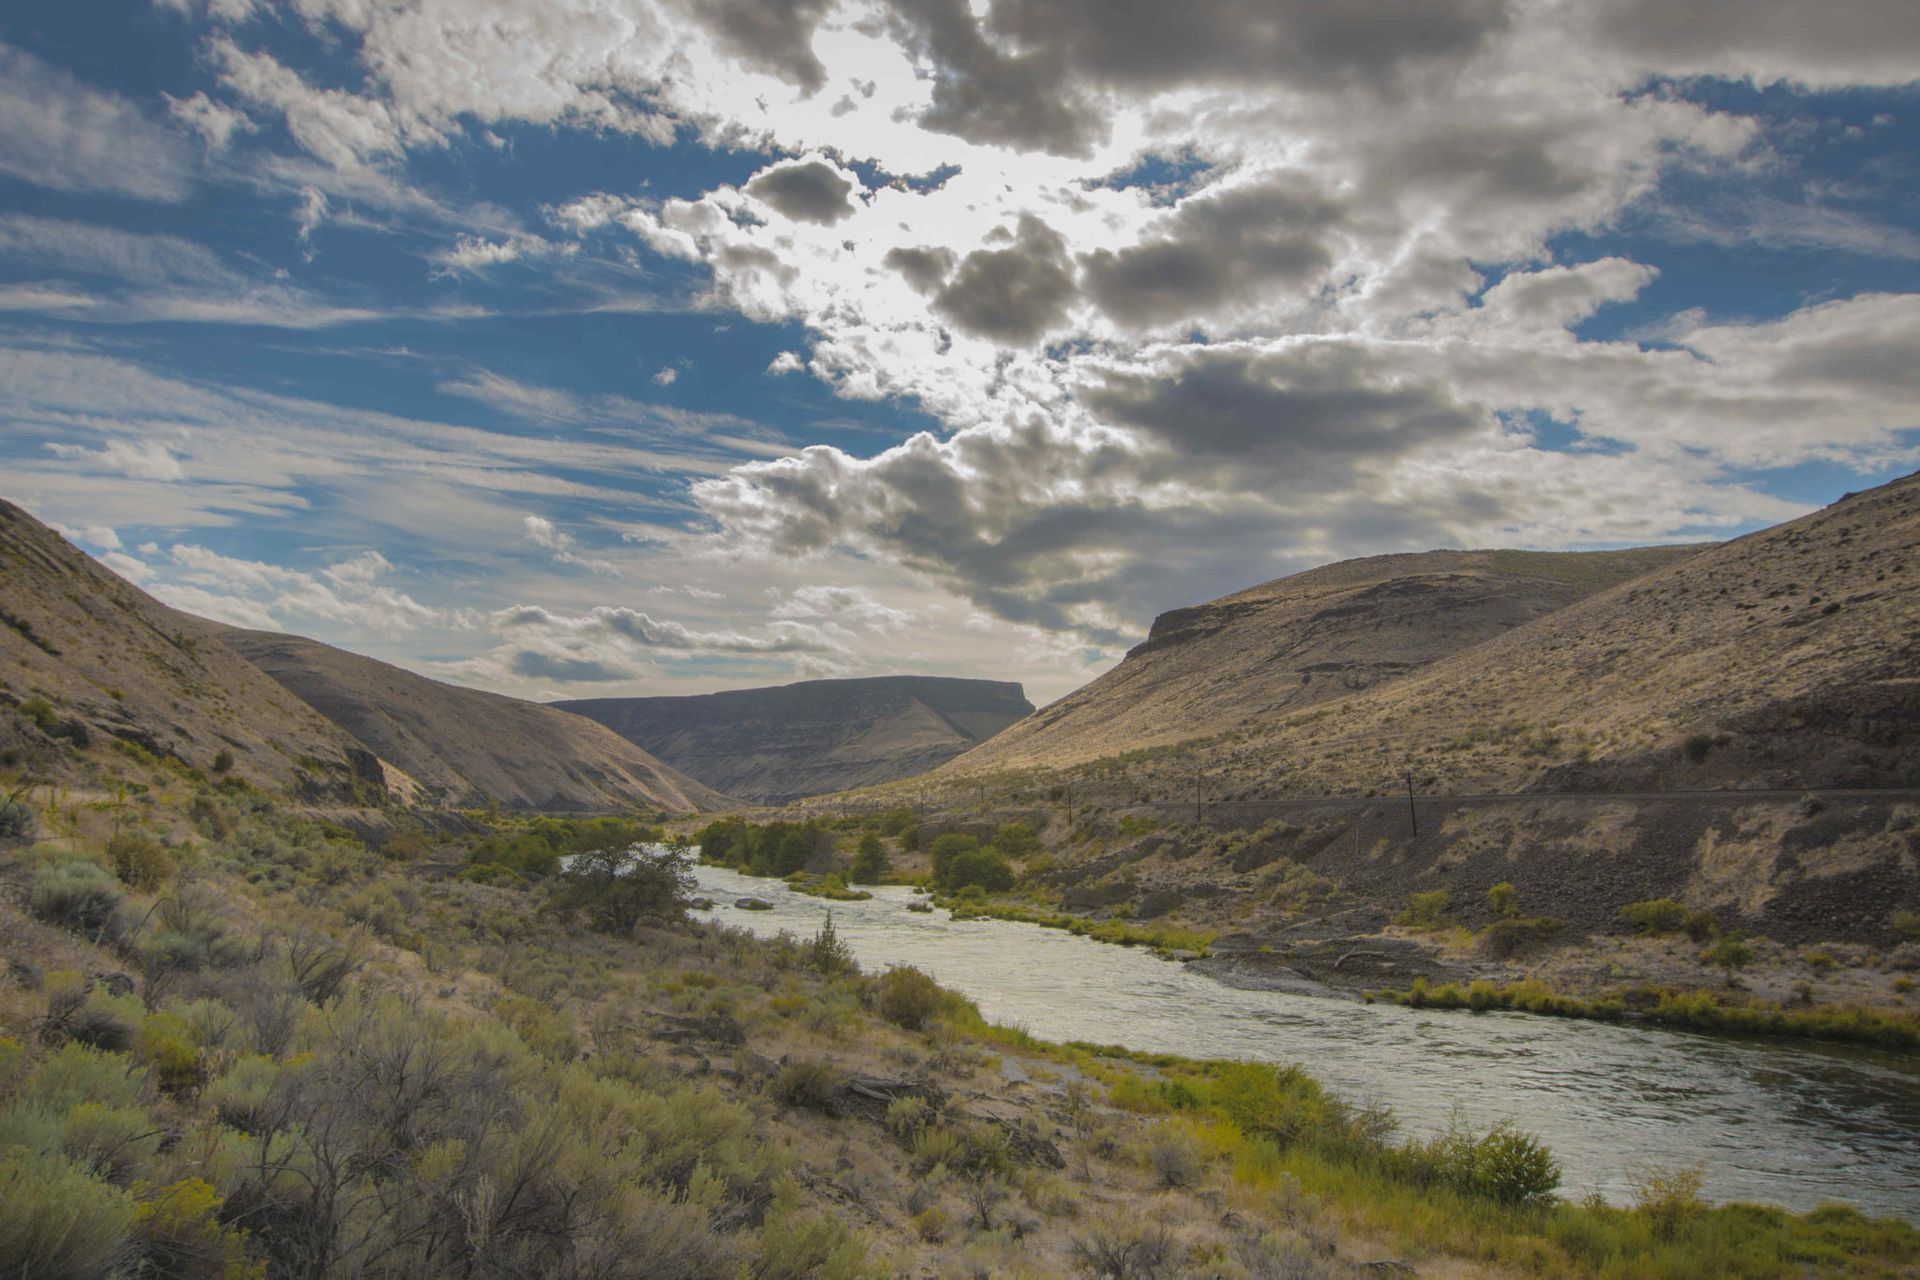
(1792, 1123)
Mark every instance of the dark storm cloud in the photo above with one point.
(1025, 79)
(1011, 295)
(810, 192)
(1862, 41)
(775, 36)
(924, 269)
(1317, 404)
(1149, 44)
(988, 95)
(1215, 250)
(546, 666)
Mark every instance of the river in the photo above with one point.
(1789, 1123)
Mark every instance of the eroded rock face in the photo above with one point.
(818, 736)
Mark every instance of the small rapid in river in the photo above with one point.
(1789, 1123)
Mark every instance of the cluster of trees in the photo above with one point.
(774, 849)
(532, 849)
(962, 861)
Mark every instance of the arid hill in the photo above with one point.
(1272, 650)
(465, 747)
(1786, 658)
(816, 736)
(85, 655)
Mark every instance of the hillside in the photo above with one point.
(816, 736)
(84, 655)
(1786, 658)
(1286, 645)
(465, 747)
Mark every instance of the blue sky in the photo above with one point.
(582, 347)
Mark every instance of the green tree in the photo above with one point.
(945, 849)
(617, 889)
(1503, 900)
(984, 867)
(870, 863)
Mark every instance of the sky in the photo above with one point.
(581, 348)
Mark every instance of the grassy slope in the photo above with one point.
(493, 1082)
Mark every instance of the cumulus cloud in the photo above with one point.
(772, 35)
(251, 593)
(1014, 294)
(850, 606)
(542, 533)
(811, 191)
(1224, 248)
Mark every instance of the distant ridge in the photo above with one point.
(786, 741)
(467, 747)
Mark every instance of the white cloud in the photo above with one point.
(784, 363)
(665, 377)
(60, 133)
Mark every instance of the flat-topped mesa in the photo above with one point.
(812, 737)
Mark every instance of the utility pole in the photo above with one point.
(1413, 815)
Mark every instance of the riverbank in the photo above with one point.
(1694, 1010)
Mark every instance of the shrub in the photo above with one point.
(826, 952)
(1700, 926)
(240, 1096)
(190, 936)
(1729, 954)
(1655, 916)
(180, 1234)
(1821, 961)
(103, 1020)
(58, 1221)
(1513, 1167)
(76, 1073)
(139, 859)
(1670, 1198)
(16, 819)
(166, 1044)
(1503, 901)
(907, 997)
(807, 1083)
(222, 760)
(1175, 1158)
(40, 711)
(1425, 910)
(1015, 839)
(1505, 938)
(1124, 1249)
(1697, 747)
(78, 895)
(113, 1142)
(1907, 924)
(1282, 1103)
